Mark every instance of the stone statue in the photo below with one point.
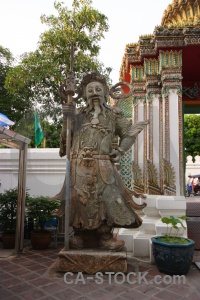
(99, 201)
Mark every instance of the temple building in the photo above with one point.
(164, 71)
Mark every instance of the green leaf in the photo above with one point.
(40, 209)
(174, 221)
(166, 220)
(183, 218)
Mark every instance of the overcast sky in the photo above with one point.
(20, 25)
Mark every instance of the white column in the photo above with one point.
(156, 132)
(174, 136)
(164, 127)
(141, 136)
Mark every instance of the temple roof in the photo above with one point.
(179, 29)
(182, 13)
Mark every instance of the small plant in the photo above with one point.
(40, 210)
(172, 232)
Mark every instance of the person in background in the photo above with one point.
(193, 184)
(197, 186)
(190, 182)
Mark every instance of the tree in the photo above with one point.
(52, 134)
(11, 105)
(192, 135)
(43, 71)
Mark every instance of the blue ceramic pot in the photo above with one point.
(173, 259)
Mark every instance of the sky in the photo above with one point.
(20, 25)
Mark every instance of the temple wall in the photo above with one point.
(45, 171)
(192, 167)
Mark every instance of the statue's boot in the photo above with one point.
(106, 241)
(76, 242)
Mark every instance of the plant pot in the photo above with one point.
(8, 240)
(41, 240)
(173, 259)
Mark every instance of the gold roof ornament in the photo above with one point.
(180, 27)
(182, 13)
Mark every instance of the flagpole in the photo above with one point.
(69, 92)
(45, 139)
(35, 112)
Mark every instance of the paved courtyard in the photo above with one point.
(32, 275)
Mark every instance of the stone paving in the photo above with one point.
(32, 275)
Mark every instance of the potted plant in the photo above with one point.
(173, 253)
(8, 212)
(40, 210)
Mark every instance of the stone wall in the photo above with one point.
(192, 168)
(45, 170)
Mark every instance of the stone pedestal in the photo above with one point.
(91, 261)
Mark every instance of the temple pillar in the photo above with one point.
(172, 123)
(140, 149)
(139, 153)
(160, 145)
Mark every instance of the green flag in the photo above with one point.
(38, 131)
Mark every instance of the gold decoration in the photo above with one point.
(170, 59)
(151, 66)
(181, 14)
(138, 184)
(169, 179)
(137, 73)
(180, 27)
(153, 188)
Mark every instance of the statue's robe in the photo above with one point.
(97, 193)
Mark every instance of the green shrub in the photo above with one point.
(8, 210)
(40, 210)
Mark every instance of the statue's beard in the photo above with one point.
(91, 107)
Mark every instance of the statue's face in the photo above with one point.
(95, 93)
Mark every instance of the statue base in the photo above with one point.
(91, 261)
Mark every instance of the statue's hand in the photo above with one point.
(115, 156)
(68, 109)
